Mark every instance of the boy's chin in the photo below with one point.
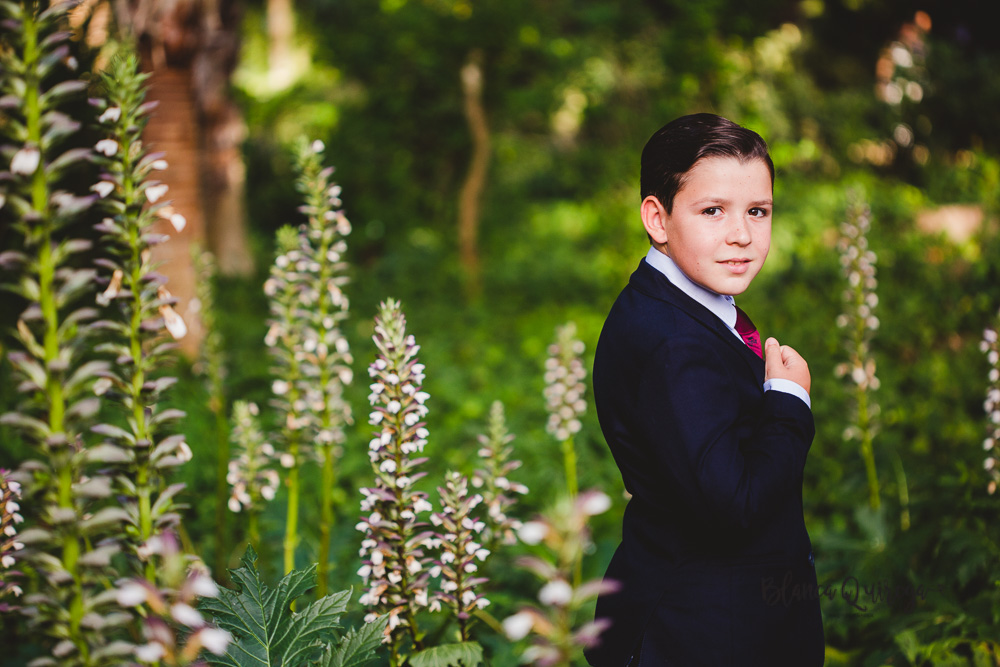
(732, 289)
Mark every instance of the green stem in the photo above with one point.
(47, 303)
(221, 485)
(326, 520)
(292, 519)
(904, 492)
(864, 412)
(569, 461)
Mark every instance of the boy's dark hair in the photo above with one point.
(677, 146)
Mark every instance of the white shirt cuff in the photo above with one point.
(789, 387)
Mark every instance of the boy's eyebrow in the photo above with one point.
(722, 200)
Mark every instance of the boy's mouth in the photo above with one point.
(736, 265)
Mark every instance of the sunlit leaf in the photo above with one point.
(358, 646)
(464, 654)
(265, 629)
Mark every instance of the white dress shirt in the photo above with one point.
(722, 306)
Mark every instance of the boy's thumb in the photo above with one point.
(769, 342)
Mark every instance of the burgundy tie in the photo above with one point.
(748, 332)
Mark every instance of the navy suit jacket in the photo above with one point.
(715, 566)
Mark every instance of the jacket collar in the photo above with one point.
(654, 284)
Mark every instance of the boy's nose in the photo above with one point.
(739, 233)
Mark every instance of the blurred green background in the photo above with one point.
(894, 99)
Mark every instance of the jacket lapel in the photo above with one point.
(654, 284)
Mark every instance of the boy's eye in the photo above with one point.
(711, 210)
(759, 212)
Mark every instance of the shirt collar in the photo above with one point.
(722, 305)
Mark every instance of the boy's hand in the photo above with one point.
(781, 361)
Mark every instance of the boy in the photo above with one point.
(715, 566)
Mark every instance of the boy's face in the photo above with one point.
(719, 231)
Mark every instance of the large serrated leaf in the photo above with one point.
(465, 654)
(265, 629)
(358, 646)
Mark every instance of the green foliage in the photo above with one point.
(463, 654)
(141, 319)
(74, 533)
(357, 648)
(268, 632)
(572, 89)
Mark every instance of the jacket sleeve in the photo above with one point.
(732, 451)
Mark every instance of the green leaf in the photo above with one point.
(464, 654)
(61, 91)
(265, 629)
(105, 516)
(35, 427)
(107, 453)
(358, 646)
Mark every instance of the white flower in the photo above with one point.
(186, 614)
(159, 165)
(279, 387)
(111, 113)
(106, 147)
(156, 192)
(8, 561)
(533, 532)
(25, 161)
(518, 626)
(174, 322)
(203, 586)
(103, 189)
(422, 505)
(215, 640)
(595, 503)
(557, 592)
(178, 221)
(151, 652)
(317, 146)
(131, 594)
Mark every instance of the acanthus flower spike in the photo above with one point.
(859, 323)
(991, 406)
(460, 533)
(396, 570)
(564, 390)
(493, 480)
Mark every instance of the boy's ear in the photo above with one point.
(654, 219)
